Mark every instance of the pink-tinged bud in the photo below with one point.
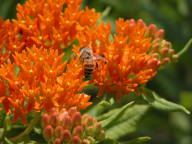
(90, 130)
(57, 141)
(167, 44)
(78, 131)
(91, 139)
(58, 131)
(62, 116)
(141, 23)
(156, 46)
(48, 132)
(75, 140)
(166, 60)
(98, 127)
(175, 57)
(67, 122)
(152, 29)
(171, 51)
(45, 120)
(101, 135)
(164, 51)
(153, 63)
(72, 111)
(53, 119)
(66, 136)
(160, 33)
(76, 118)
(85, 141)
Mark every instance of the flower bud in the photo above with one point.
(153, 63)
(58, 131)
(72, 111)
(53, 119)
(101, 135)
(141, 23)
(48, 132)
(164, 51)
(171, 51)
(57, 141)
(75, 140)
(67, 122)
(78, 131)
(45, 120)
(66, 136)
(166, 60)
(160, 33)
(98, 127)
(85, 141)
(152, 29)
(175, 57)
(90, 130)
(76, 118)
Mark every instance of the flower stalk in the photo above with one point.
(28, 129)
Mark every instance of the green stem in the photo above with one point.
(27, 130)
(186, 47)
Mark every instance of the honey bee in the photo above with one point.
(89, 60)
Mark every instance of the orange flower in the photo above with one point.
(132, 55)
(37, 81)
(49, 23)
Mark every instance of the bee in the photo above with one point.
(89, 60)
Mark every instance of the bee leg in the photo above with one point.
(96, 65)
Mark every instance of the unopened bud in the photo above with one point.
(75, 140)
(160, 33)
(53, 119)
(164, 51)
(171, 51)
(67, 122)
(98, 127)
(85, 141)
(166, 60)
(48, 132)
(151, 29)
(141, 23)
(90, 130)
(175, 57)
(78, 130)
(76, 118)
(57, 141)
(72, 111)
(101, 135)
(153, 63)
(45, 120)
(66, 136)
(91, 139)
(58, 131)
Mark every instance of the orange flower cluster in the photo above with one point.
(132, 54)
(33, 75)
(49, 23)
(37, 81)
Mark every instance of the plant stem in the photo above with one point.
(186, 47)
(27, 130)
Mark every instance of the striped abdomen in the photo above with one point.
(88, 70)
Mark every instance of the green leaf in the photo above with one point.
(7, 141)
(123, 121)
(186, 99)
(108, 141)
(139, 140)
(162, 104)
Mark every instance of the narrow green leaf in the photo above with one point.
(7, 141)
(123, 121)
(107, 122)
(108, 141)
(162, 104)
(139, 140)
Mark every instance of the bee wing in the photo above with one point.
(99, 57)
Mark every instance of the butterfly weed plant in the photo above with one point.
(44, 95)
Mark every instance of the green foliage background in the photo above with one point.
(175, 81)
